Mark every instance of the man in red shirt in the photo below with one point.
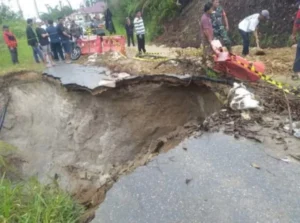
(11, 43)
(296, 30)
(207, 33)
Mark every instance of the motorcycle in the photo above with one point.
(75, 49)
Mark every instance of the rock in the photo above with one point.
(82, 175)
(255, 166)
(246, 116)
(297, 134)
(254, 128)
(267, 119)
(230, 123)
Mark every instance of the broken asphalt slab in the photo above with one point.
(213, 180)
(85, 76)
(95, 78)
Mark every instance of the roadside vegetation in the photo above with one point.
(154, 13)
(28, 200)
(17, 26)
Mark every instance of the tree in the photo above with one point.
(7, 14)
(56, 12)
(20, 9)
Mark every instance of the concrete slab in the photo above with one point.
(215, 180)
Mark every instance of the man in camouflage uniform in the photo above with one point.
(220, 30)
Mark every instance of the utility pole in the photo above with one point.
(69, 3)
(48, 8)
(20, 9)
(36, 9)
(60, 5)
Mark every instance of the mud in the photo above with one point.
(87, 141)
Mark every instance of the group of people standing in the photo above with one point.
(139, 28)
(49, 42)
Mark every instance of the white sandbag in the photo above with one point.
(240, 98)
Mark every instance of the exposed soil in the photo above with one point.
(86, 141)
(278, 62)
(183, 31)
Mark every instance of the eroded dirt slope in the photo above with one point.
(183, 31)
(85, 141)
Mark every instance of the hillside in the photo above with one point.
(183, 31)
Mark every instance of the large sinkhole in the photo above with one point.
(86, 141)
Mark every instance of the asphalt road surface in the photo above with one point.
(216, 179)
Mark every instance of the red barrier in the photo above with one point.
(90, 45)
(239, 67)
(114, 44)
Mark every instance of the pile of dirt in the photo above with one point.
(183, 31)
(278, 62)
(85, 142)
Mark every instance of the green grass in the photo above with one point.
(6, 150)
(31, 202)
(25, 57)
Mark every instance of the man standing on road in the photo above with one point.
(55, 41)
(207, 33)
(32, 41)
(249, 25)
(219, 18)
(140, 32)
(129, 31)
(65, 39)
(11, 43)
(43, 38)
(296, 30)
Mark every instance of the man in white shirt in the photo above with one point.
(140, 32)
(249, 25)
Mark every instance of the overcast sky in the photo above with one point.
(28, 5)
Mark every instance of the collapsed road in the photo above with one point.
(86, 127)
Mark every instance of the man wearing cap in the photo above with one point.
(11, 43)
(249, 25)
